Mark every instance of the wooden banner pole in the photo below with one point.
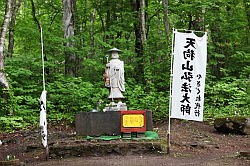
(47, 147)
(170, 95)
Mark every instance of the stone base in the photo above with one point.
(104, 123)
(100, 149)
(13, 162)
(115, 107)
(239, 125)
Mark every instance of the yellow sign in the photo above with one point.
(133, 120)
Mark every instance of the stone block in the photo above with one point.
(103, 123)
(240, 125)
(98, 123)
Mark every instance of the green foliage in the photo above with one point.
(139, 99)
(227, 97)
(7, 102)
(226, 93)
(227, 82)
(73, 95)
(10, 123)
(55, 118)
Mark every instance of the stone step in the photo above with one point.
(83, 148)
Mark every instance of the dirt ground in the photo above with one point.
(192, 143)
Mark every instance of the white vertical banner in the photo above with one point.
(43, 119)
(189, 71)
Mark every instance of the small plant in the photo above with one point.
(10, 157)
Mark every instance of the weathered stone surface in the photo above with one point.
(34, 147)
(149, 120)
(245, 154)
(104, 123)
(14, 162)
(239, 125)
(98, 123)
(104, 148)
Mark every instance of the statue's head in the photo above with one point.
(114, 53)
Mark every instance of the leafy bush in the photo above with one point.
(227, 97)
(70, 94)
(137, 98)
(10, 123)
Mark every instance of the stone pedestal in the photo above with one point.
(104, 123)
(115, 107)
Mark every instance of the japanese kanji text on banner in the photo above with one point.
(189, 71)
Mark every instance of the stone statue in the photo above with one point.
(114, 80)
(114, 76)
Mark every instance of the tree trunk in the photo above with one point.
(92, 27)
(165, 17)
(111, 17)
(3, 80)
(247, 10)
(139, 45)
(68, 28)
(34, 15)
(39, 26)
(143, 21)
(15, 6)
